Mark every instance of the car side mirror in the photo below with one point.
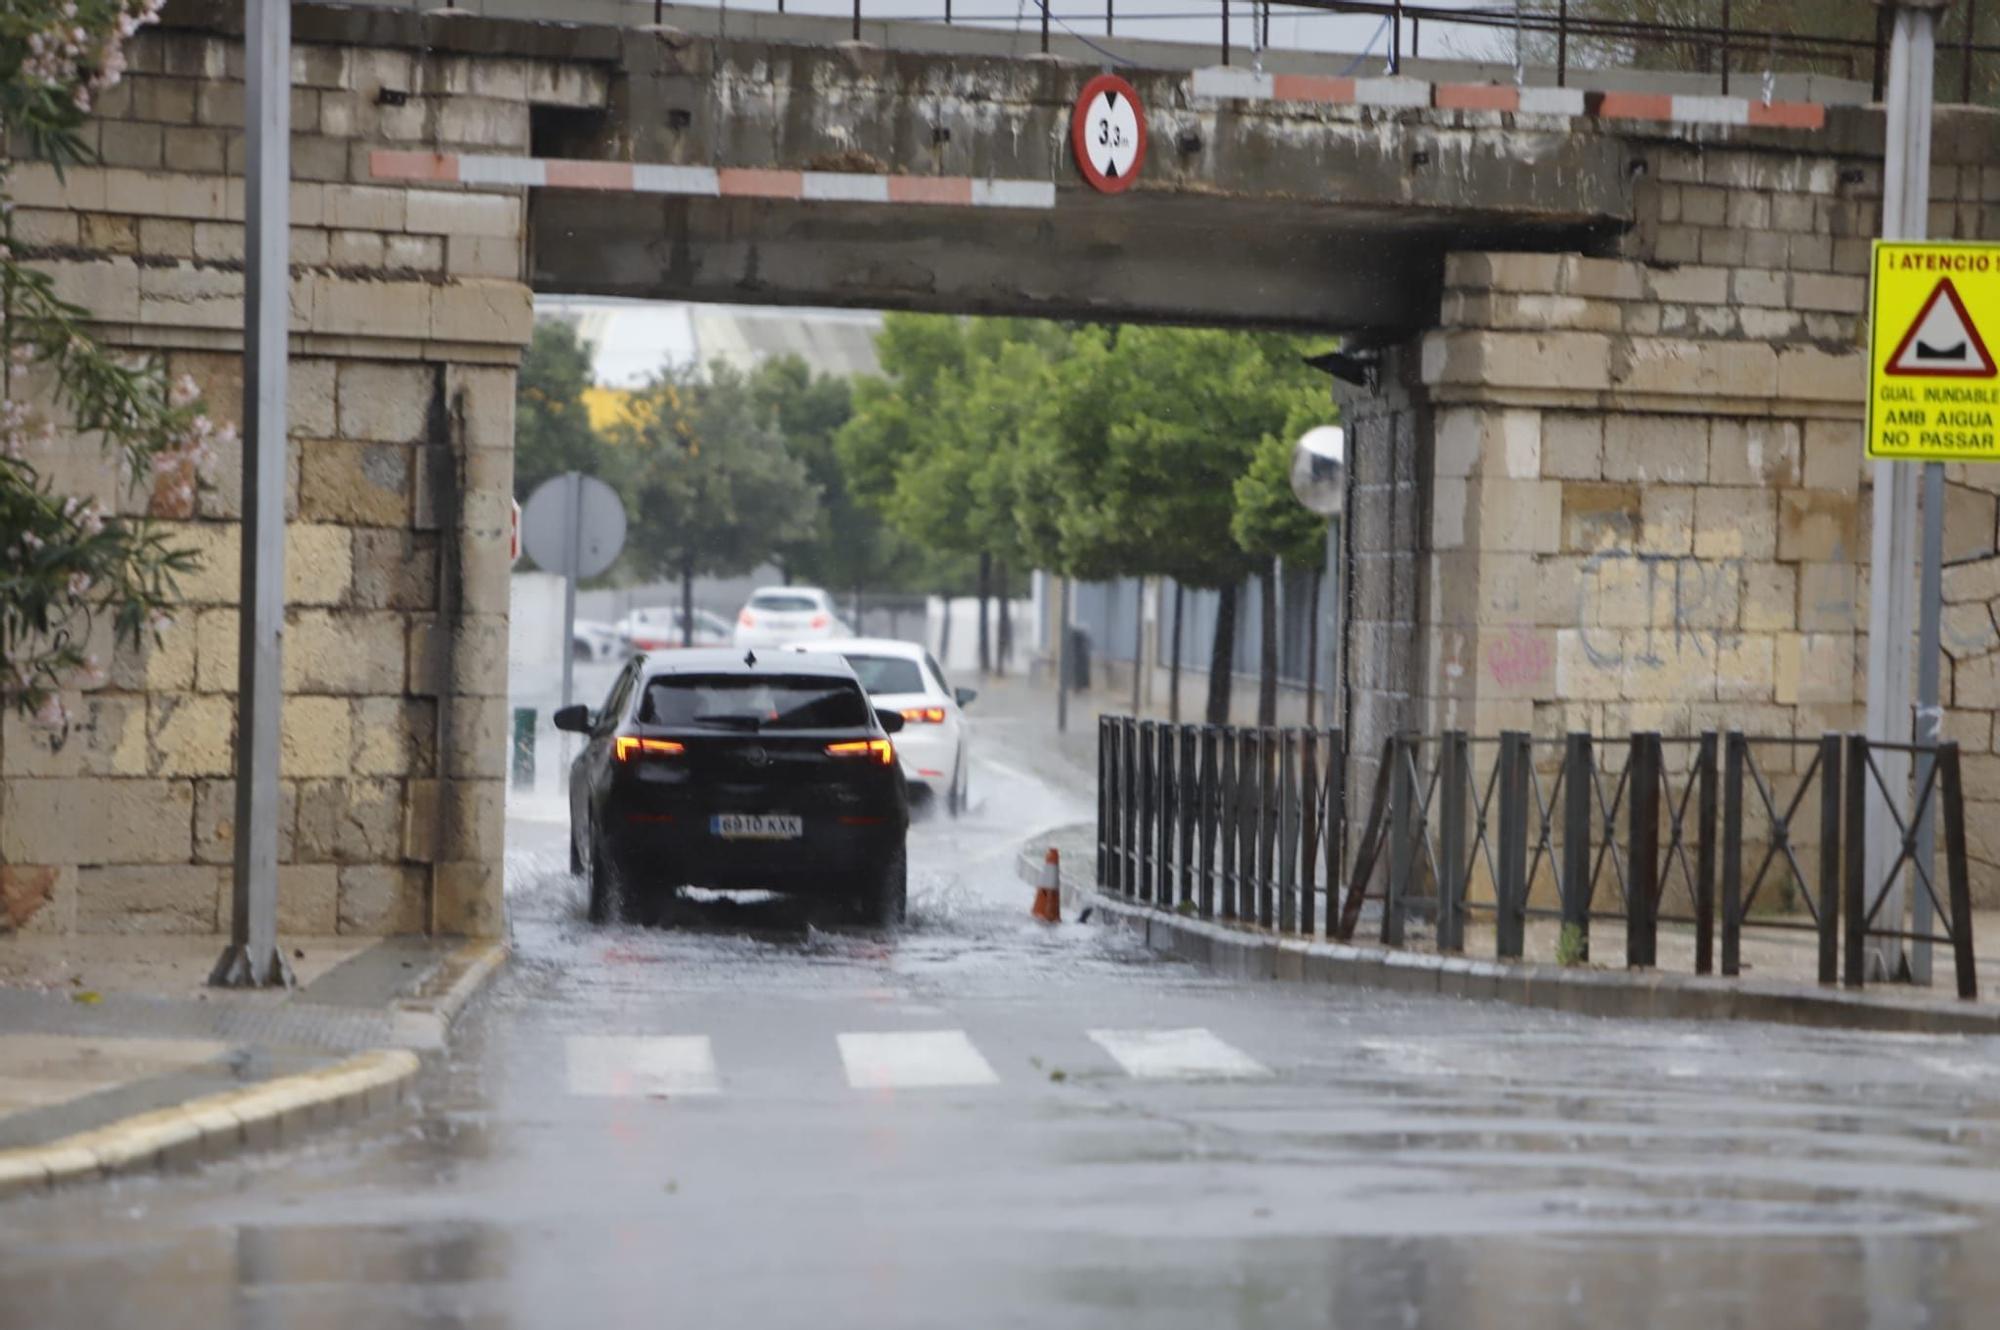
(965, 695)
(573, 719)
(892, 721)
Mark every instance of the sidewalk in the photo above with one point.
(1779, 979)
(116, 1056)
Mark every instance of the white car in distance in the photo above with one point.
(777, 615)
(933, 745)
(660, 629)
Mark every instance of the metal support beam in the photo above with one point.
(1893, 551)
(253, 957)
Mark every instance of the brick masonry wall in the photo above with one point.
(409, 312)
(1651, 508)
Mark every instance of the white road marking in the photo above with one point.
(913, 1059)
(1161, 1055)
(628, 1066)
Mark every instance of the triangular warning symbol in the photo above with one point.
(1943, 342)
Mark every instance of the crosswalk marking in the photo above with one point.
(638, 1066)
(1155, 1055)
(913, 1059)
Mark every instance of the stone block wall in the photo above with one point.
(1648, 502)
(409, 312)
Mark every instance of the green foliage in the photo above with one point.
(1570, 946)
(552, 430)
(1137, 452)
(67, 567)
(1269, 518)
(935, 443)
(849, 545)
(707, 480)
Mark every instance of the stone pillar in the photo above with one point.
(409, 314)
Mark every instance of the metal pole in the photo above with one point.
(575, 482)
(1725, 48)
(1562, 42)
(253, 957)
(1930, 715)
(1062, 652)
(1893, 550)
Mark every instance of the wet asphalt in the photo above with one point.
(1378, 1160)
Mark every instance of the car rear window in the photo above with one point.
(754, 702)
(783, 603)
(888, 674)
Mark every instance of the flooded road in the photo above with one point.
(981, 1121)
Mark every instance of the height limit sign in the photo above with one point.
(1107, 133)
(1933, 390)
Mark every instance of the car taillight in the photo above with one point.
(924, 715)
(746, 620)
(875, 750)
(819, 621)
(628, 746)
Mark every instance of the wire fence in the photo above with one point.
(1716, 835)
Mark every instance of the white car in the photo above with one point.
(777, 615)
(592, 641)
(660, 629)
(905, 678)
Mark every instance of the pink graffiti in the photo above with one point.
(1522, 658)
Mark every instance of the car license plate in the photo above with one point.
(757, 826)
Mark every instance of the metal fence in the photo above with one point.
(1705, 833)
(1567, 34)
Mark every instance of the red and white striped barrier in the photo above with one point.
(728, 182)
(1228, 82)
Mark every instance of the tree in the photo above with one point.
(933, 444)
(552, 430)
(1136, 454)
(849, 547)
(69, 565)
(1271, 523)
(710, 486)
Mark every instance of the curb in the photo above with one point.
(424, 1021)
(271, 1113)
(1642, 994)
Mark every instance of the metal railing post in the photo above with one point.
(1704, 890)
(1511, 887)
(1225, 29)
(1732, 853)
(1310, 804)
(857, 17)
(1191, 811)
(1402, 846)
(1855, 898)
(1149, 800)
(1168, 738)
(1231, 812)
(1267, 815)
(1578, 791)
(1829, 858)
(1045, 26)
(1133, 793)
(1334, 847)
(1211, 825)
(1642, 851)
(1562, 43)
(1958, 880)
(1725, 47)
(1289, 822)
(1454, 761)
(1103, 796)
(1395, 37)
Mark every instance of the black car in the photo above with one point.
(731, 770)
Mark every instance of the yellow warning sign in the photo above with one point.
(1933, 384)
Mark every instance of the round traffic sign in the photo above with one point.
(1107, 133)
(573, 524)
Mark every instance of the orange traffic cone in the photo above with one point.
(1048, 891)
